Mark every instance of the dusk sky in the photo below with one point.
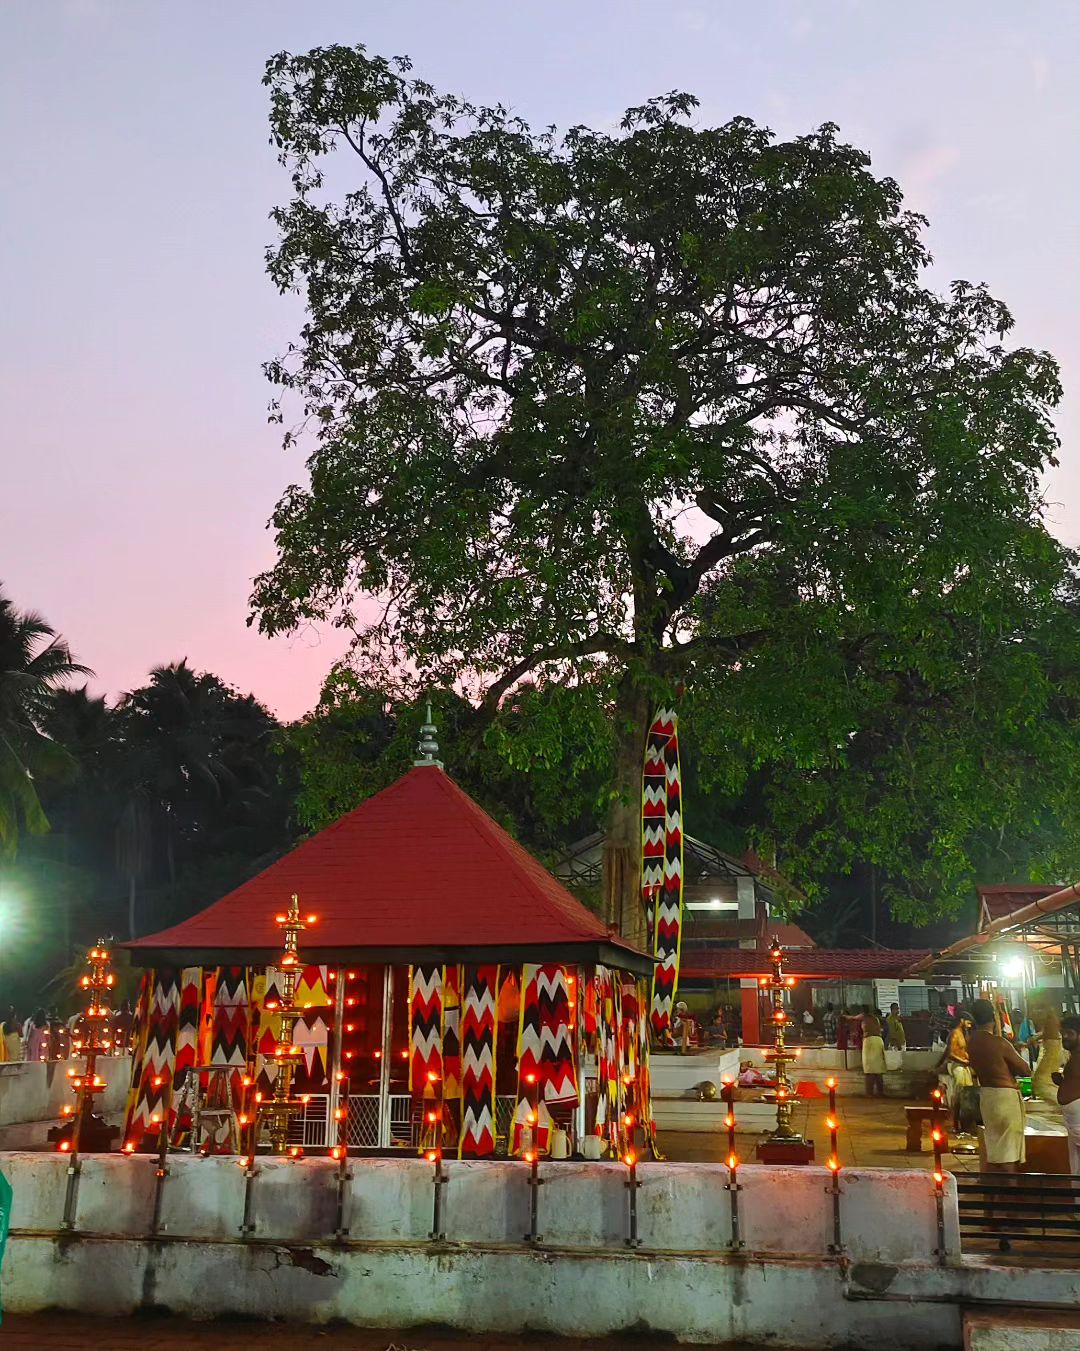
(136, 180)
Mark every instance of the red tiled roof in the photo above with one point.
(813, 963)
(788, 935)
(418, 867)
(998, 901)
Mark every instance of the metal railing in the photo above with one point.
(1006, 1208)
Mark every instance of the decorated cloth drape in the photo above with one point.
(425, 1026)
(481, 988)
(230, 1028)
(155, 1057)
(451, 1032)
(187, 1028)
(267, 997)
(662, 861)
(546, 1071)
(311, 1032)
(610, 1088)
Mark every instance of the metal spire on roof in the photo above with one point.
(428, 746)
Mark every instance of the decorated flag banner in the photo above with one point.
(187, 1032)
(546, 1072)
(229, 1029)
(311, 1032)
(153, 1068)
(662, 860)
(610, 1087)
(425, 1026)
(451, 1032)
(481, 987)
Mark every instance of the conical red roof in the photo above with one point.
(419, 872)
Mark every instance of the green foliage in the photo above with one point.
(35, 665)
(540, 771)
(131, 816)
(615, 411)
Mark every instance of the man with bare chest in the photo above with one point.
(996, 1066)
(1068, 1086)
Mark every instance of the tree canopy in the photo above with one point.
(673, 405)
(35, 666)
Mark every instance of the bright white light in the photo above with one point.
(1012, 968)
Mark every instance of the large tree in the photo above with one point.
(666, 405)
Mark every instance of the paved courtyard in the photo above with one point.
(872, 1132)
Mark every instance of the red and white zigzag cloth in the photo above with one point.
(481, 988)
(425, 1026)
(662, 860)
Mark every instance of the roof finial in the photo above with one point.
(428, 746)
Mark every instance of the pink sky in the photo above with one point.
(138, 467)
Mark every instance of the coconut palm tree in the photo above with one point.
(35, 664)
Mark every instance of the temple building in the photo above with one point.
(439, 957)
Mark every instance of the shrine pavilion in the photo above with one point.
(438, 951)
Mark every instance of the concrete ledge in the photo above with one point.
(887, 1215)
(36, 1091)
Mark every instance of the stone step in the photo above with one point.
(1021, 1330)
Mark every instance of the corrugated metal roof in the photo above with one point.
(998, 901)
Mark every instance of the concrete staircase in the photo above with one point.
(1021, 1330)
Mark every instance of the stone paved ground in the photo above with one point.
(68, 1332)
(871, 1136)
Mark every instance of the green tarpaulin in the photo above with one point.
(5, 1220)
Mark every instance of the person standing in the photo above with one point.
(37, 1038)
(12, 1037)
(1051, 1055)
(957, 1064)
(1026, 1036)
(828, 1024)
(996, 1065)
(873, 1054)
(895, 1024)
(1068, 1086)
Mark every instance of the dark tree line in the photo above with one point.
(122, 818)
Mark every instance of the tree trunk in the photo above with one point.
(622, 845)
